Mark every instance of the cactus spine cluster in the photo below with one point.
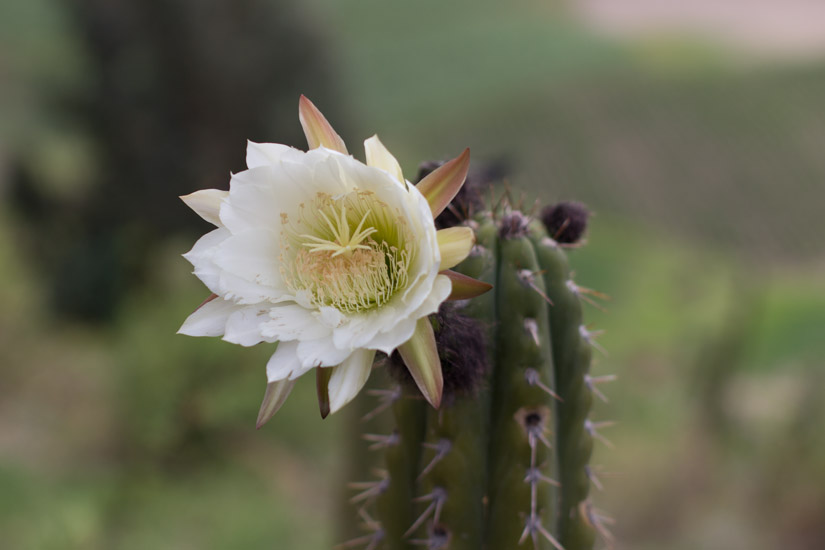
(503, 464)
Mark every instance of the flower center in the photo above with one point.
(350, 252)
(343, 243)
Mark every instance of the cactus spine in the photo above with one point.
(504, 462)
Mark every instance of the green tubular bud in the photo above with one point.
(454, 468)
(523, 409)
(571, 357)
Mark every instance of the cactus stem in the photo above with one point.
(369, 523)
(528, 278)
(593, 381)
(534, 484)
(584, 293)
(386, 398)
(503, 202)
(534, 379)
(599, 521)
(593, 429)
(540, 435)
(532, 329)
(594, 479)
(380, 441)
(477, 250)
(548, 242)
(533, 528)
(441, 449)
(372, 541)
(369, 489)
(534, 420)
(534, 475)
(437, 498)
(590, 338)
(439, 538)
(578, 289)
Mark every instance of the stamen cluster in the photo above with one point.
(340, 253)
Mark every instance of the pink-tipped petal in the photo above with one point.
(322, 376)
(465, 287)
(275, 396)
(455, 244)
(317, 129)
(442, 184)
(421, 357)
(207, 204)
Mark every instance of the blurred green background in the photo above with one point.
(695, 134)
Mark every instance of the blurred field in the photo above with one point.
(703, 165)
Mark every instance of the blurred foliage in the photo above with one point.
(157, 114)
(705, 172)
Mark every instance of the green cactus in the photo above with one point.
(503, 463)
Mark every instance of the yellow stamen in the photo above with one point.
(349, 269)
(342, 243)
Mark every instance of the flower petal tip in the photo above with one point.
(465, 287)
(206, 203)
(420, 354)
(454, 244)
(318, 130)
(442, 184)
(379, 157)
(322, 376)
(274, 397)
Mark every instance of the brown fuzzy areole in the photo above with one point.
(461, 348)
(513, 225)
(565, 221)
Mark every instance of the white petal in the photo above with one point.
(425, 267)
(258, 196)
(244, 326)
(441, 290)
(209, 319)
(283, 362)
(238, 289)
(253, 257)
(379, 157)
(331, 317)
(388, 340)
(253, 201)
(264, 154)
(390, 326)
(321, 353)
(201, 257)
(327, 172)
(292, 322)
(349, 377)
(206, 203)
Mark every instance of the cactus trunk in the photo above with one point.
(503, 463)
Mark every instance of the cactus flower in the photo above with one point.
(331, 258)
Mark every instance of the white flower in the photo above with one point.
(331, 258)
